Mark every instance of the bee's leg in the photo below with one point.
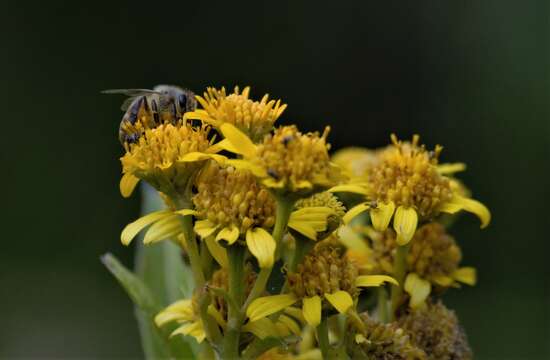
(174, 113)
(155, 112)
(133, 110)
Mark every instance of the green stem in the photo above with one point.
(383, 314)
(399, 272)
(206, 260)
(322, 334)
(193, 251)
(284, 209)
(303, 246)
(236, 254)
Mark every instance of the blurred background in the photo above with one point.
(470, 75)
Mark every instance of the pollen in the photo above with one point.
(156, 157)
(323, 270)
(255, 118)
(227, 196)
(435, 329)
(407, 175)
(295, 161)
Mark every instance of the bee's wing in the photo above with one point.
(130, 92)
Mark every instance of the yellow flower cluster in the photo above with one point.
(254, 118)
(237, 188)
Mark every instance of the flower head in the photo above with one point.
(167, 157)
(433, 260)
(324, 280)
(376, 340)
(435, 329)
(409, 185)
(230, 204)
(288, 162)
(254, 118)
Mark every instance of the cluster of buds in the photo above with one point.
(278, 253)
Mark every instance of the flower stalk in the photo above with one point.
(399, 272)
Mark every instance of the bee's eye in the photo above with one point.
(182, 100)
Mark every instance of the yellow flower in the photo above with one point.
(167, 157)
(288, 162)
(230, 204)
(253, 118)
(323, 275)
(408, 185)
(186, 313)
(432, 260)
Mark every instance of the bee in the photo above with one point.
(147, 109)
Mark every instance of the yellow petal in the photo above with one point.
(127, 184)
(381, 215)
(205, 228)
(163, 229)
(458, 203)
(418, 289)
(185, 212)
(199, 156)
(212, 311)
(290, 324)
(238, 139)
(374, 280)
(310, 220)
(450, 168)
(352, 188)
(466, 275)
(341, 300)
(404, 224)
(268, 305)
(132, 229)
(247, 165)
(217, 251)
(262, 245)
(261, 328)
(229, 234)
(222, 145)
(442, 280)
(311, 309)
(477, 208)
(194, 329)
(180, 310)
(296, 313)
(354, 211)
(353, 241)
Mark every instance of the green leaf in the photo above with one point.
(161, 267)
(155, 341)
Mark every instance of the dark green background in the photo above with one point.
(471, 75)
